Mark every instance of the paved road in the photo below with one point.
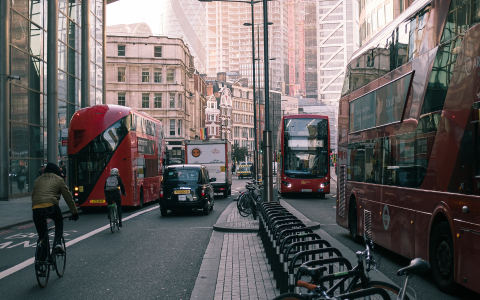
(323, 211)
(151, 257)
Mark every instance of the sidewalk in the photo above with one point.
(235, 265)
(18, 211)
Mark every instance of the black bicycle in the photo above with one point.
(358, 278)
(113, 216)
(46, 260)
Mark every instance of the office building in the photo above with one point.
(186, 19)
(229, 42)
(45, 76)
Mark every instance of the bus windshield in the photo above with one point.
(306, 148)
(90, 162)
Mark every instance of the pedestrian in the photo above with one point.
(41, 171)
(114, 188)
(46, 193)
(21, 178)
(62, 174)
(233, 168)
(252, 170)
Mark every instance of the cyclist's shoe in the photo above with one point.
(59, 249)
(120, 224)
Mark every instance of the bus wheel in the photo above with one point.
(141, 199)
(229, 190)
(441, 257)
(321, 196)
(353, 222)
(225, 193)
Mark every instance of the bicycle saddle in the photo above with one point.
(314, 272)
(417, 266)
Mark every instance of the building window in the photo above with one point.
(157, 101)
(121, 74)
(172, 100)
(145, 100)
(121, 99)
(170, 75)
(157, 51)
(180, 101)
(121, 50)
(179, 129)
(157, 75)
(172, 127)
(145, 75)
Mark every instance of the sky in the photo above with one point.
(135, 11)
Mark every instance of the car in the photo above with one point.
(244, 171)
(186, 187)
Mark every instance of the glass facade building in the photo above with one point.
(186, 19)
(24, 95)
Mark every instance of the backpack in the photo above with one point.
(111, 184)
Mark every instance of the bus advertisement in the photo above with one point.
(408, 162)
(303, 155)
(103, 137)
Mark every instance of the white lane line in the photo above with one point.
(30, 261)
(334, 207)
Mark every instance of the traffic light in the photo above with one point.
(261, 146)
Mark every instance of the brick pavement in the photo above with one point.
(244, 272)
(235, 265)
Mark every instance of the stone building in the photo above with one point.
(155, 75)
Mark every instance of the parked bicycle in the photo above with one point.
(358, 277)
(113, 216)
(46, 260)
(247, 201)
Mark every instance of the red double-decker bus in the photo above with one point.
(409, 140)
(103, 137)
(303, 155)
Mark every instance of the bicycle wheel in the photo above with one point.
(61, 260)
(290, 296)
(42, 269)
(111, 209)
(392, 290)
(243, 206)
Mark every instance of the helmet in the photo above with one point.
(114, 172)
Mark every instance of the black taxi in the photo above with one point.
(186, 187)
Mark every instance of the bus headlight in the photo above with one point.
(287, 184)
(322, 185)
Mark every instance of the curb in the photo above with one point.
(223, 226)
(6, 227)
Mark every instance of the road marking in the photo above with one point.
(334, 207)
(30, 261)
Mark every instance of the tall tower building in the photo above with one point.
(229, 42)
(186, 19)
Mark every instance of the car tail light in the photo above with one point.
(161, 193)
(203, 192)
(221, 189)
(76, 194)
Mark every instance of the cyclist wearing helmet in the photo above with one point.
(113, 189)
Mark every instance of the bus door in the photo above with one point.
(466, 215)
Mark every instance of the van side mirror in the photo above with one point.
(213, 179)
